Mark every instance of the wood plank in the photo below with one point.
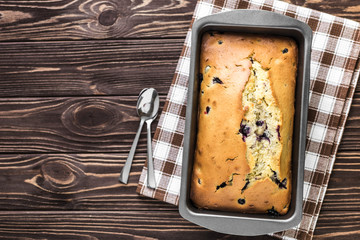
(119, 67)
(88, 124)
(53, 190)
(343, 191)
(90, 182)
(339, 225)
(93, 19)
(104, 225)
(71, 182)
(148, 224)
(51, 125)
(351, 137)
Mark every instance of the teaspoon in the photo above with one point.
(147, 108)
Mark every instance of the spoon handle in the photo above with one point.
(124, 175)
(150, 168)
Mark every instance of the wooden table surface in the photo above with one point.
(70, 73)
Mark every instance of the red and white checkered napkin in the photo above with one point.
(334, 74)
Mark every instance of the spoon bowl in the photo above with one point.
(148, 104)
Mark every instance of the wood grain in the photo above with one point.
(148, 224)
(339, 225)
(343, 192)
(93, 19)
(20, 118)
(104, 225)
(33, 110)
(71, 182)
(90, 182)
(118, 67)
(87, 124)
(351, 137)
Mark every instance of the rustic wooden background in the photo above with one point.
(70, 72)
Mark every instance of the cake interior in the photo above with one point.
(260, 127)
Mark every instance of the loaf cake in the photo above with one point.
(243, 150)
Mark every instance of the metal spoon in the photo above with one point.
(124, 175)
(154, 111)
(147, 108)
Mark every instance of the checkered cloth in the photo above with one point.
(333, 77)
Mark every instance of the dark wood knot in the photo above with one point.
(92, 117)
(108, 17)
(58, 174)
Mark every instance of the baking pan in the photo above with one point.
(260, 22)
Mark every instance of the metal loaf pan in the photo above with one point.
(260, 22)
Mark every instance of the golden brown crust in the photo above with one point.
(220, 165)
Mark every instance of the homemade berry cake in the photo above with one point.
(245, 124)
